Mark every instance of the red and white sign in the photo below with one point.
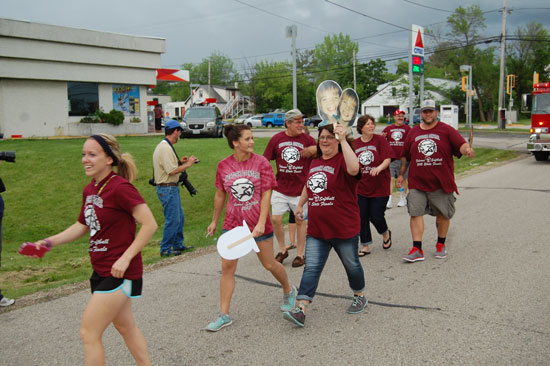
(172, 75)
(417, 34)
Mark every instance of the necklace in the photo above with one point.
(104, 184)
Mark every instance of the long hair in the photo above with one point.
(126, 166)
(232, 132)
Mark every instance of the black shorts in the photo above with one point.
(131, 288)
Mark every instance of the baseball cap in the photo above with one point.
(397, 111)
(291, 114)
(428, 104)
(172, 124)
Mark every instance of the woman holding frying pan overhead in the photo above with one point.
(333, 219)
(246, 180)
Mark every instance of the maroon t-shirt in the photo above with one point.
(107, 211)
(371, 154)
(332, 200)
(291, 167)
(396, 136)
(430, 153)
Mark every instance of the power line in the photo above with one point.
(367, 16)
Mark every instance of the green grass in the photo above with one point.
(44, 194)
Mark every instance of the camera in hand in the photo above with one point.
(184, 180)
(8, 156)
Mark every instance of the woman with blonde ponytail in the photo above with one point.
(111, 206)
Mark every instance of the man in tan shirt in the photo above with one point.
(167, 169)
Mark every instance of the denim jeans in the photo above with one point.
(317, 251)
(372, 209)
(172, 236)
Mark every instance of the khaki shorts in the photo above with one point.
(435, 203)
(281, 203)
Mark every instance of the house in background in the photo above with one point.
(52, 76)
(228, 99)
(395, 95)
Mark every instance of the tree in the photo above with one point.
(333, 60)
(369, 76)
(222, 70)
(272, 85)
(529, 53)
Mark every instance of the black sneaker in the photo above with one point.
(295, 316)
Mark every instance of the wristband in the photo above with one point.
(48, 243)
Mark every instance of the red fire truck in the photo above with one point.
(539, 141)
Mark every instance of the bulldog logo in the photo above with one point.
(397, 135)
(290, 154)
(366, 157)
(427, 147)
(242, 189)
(317, 182)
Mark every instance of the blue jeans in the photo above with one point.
(372, 209)
(317, 251)
(172, 236)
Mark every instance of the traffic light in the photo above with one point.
(464, 83)
(510, 83)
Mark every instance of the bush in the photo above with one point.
(114, 117)
(382, 119)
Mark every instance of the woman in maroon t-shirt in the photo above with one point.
(333, 219)
(374, 153)
(110, 209)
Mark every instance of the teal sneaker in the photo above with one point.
(288, 300)
(222, 321)
(358, 305)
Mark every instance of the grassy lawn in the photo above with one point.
(44, 194)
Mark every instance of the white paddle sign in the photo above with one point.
(237, 242)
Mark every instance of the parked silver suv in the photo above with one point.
(202, 121)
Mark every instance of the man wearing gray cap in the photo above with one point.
(292, 150)
(429, 149)
(167, 168)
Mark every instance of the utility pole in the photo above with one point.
(354, 73)
(501, 121)
(208, 72)
(291, 32)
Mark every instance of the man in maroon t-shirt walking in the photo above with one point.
(292, 150)
(429, 148)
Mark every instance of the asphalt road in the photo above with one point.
(486, 304)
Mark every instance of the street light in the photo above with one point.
(468, 68)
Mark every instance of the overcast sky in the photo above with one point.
(248, 31)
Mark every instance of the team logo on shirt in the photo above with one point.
(427, 147)
(290, 154)
(242, 189)
(366, 157)
(397, 135)
(317, 182)
(89, 213)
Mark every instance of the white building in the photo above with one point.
(52, 76)
(395, 95)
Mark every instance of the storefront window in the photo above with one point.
(83, 98)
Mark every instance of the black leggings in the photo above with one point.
(372, 209)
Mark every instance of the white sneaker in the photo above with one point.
(389, 205)
(402, 202)
(6, 302)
